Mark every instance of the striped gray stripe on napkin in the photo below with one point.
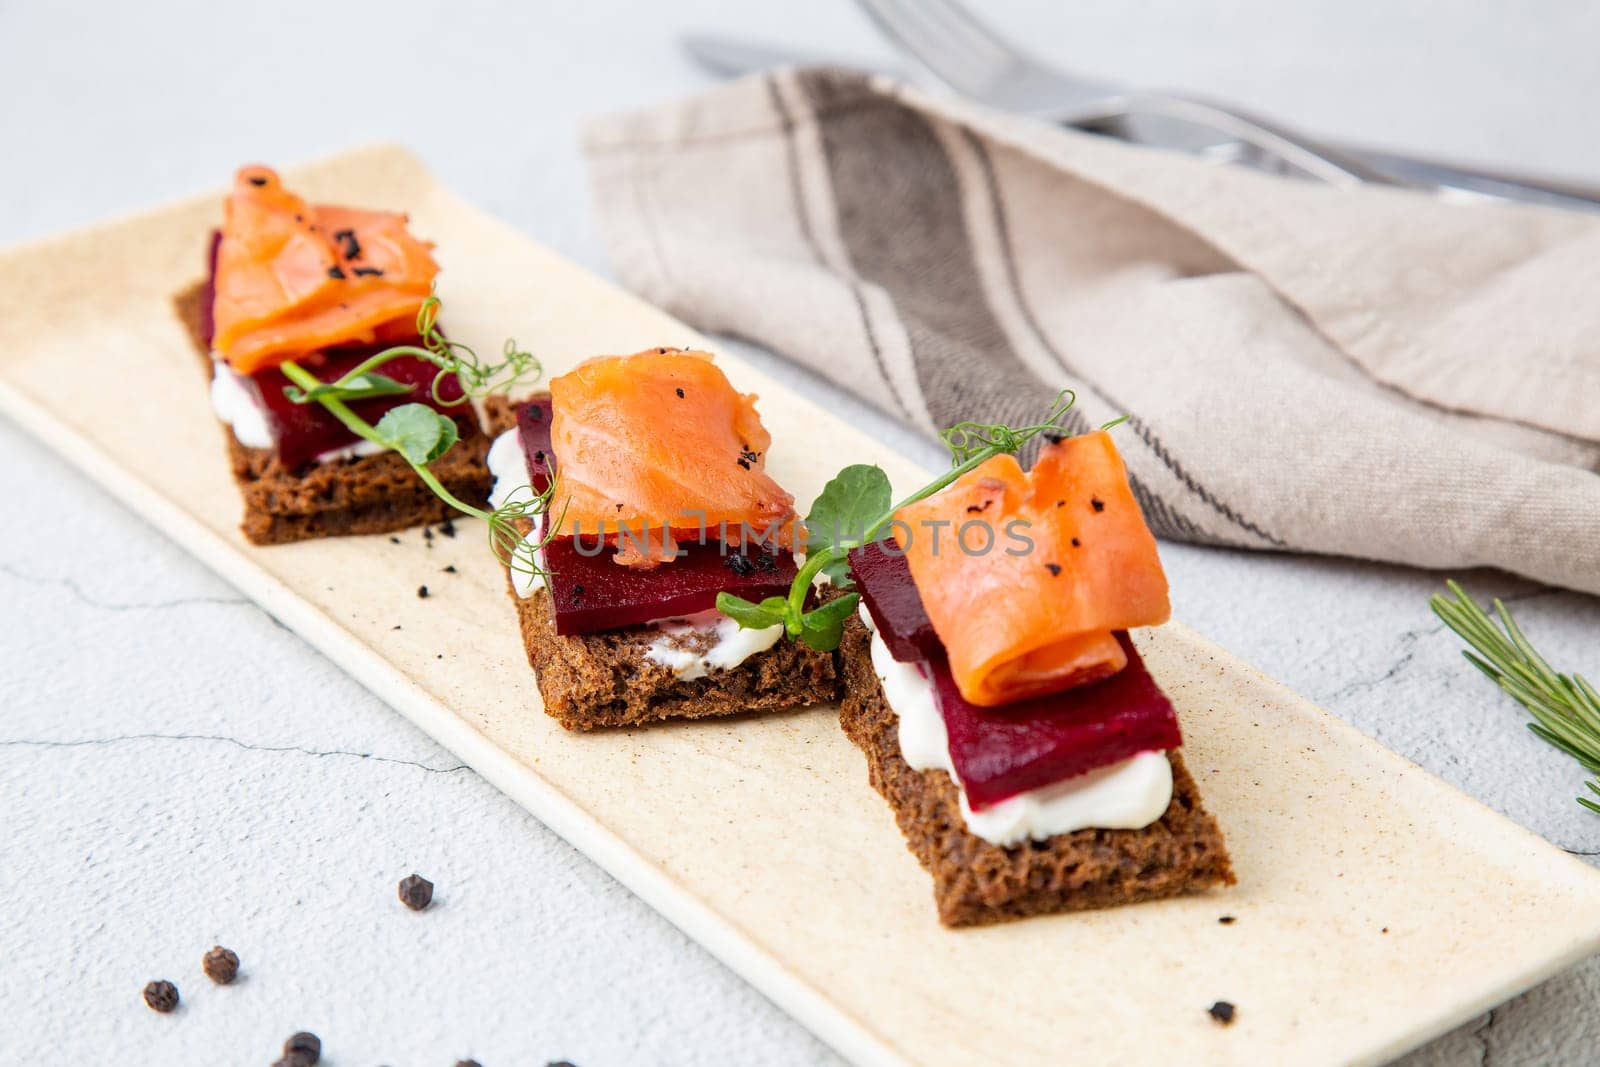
(1372, 374)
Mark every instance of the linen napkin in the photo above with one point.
(1370, 373)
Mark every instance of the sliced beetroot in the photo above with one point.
(883, 578)
(533, 427)
(305, 431)
(1000, 752)
(591, 593)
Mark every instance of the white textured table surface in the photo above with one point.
(177, 770)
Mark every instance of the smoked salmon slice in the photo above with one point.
(294, 278)
(1026, 576)
(658, 447)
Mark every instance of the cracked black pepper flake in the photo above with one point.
(1054, 438)
(448, 527)
(739, 564)
(258, 181)
(680, 394)
(302, 1048)
(741, 461)
(577, 591)
(394, 540)
(468, 1063)
(416, 892)
(1054, 569)
(352, 247)
(367, 272)
(1076, 543)
(162, 996)
(450, 569)
(1096, 503)
(221, 965)
(422, 592)
(1221, 1011)
(336, 274)
(1227, 920)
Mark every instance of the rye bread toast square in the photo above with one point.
(592, 681)
(975, 882)
(357, 495)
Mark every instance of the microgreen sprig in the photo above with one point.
(476, 376)
(1566, 708)
(421, 435)
(854, 509)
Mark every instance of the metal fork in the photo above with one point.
(954, 48)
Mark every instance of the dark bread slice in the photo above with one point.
(359, 495)
(590, 681)
(975, 882)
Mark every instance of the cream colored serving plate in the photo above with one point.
(1376, 906)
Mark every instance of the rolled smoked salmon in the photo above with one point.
(1069, 561)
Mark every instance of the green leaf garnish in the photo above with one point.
(847, 505)
(1565, 708)
(854, 508)
(360, 387)
(417, 432)
(420, 435)
(823, 626)
(751, 616)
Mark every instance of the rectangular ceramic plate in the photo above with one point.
(760, 836)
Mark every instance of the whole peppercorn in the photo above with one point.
(161, 995)
(221, 965)
(302, 1050)
(1222, 1012)
(416, 892)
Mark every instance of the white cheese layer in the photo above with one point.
(1129, 795)
(509, 467)
(730, 644)
(236, 405)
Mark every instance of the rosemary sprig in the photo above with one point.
(1565, 708)
(854, 509)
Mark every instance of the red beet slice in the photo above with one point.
(590, 593)
(305, 431)
(883, 577)
(1000, 752)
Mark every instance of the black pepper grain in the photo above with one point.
(468, 1063)
(427, 534)
(162, 996)
(416, 892)
(1076, 543)
(258, 181)
(221, 965)
(1221, 1011)
(451, 569)
(336, 274)
(422, 592)
(304, 1048)
(680, 394)
(352, 247)
(1096, 503)
(394, 540)
(1054, 569)
(738, 563)
(1226, 920)
(448, 527)
(368, 272)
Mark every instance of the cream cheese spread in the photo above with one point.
(1129, 795)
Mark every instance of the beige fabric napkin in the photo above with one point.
(1374, 373)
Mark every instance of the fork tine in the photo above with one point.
(944, 40)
